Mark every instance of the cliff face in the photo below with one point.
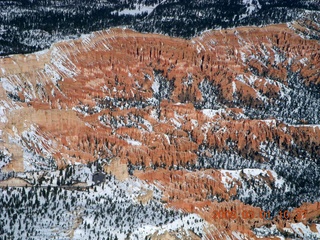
(233, 99)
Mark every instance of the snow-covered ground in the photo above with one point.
(110, 210)
(138, 9)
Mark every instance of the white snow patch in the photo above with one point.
(138, 9)
(55, 77)
(176, 225)
(234, 87)
(155, 86)
(148, 125)
(7, 85)
(228, 177)
(194, 123)
(303, 230)
(252, 6)
(154, 114)
(6, 107)
(279, 181)
(240, 78)
(304, 61)
(167, 137)
(42, 52)
(84, 112)
(228, 180)
(61, 61)
(176, 123)
(270, 122)
(238, 235)
(211, 113)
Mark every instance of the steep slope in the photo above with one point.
(231, 115)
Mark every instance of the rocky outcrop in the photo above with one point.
(118, 169)
(145, 197)
(87, 93)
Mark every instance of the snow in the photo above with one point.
(167, 137)
(270, 122)
(108, 208)
(303, 61)
(194, 123)
(154, 114)
(5, 108)
(7, 84)
(55, 77)
(155, 86)
(249, 81)
(252, 6)
(226, 179)
(189, 80)
(148, 125)
(138, 9)
(211, 113)
(279, 181)
(86, 38)
(199, 46)
(238, 235)
(253, 172)
(240, 78)
(6, 157)
(32, 139)
(40, 53)
(88, 125)
(176, 123)
(303, 230)
(264, 231)
(60, 60)
(229, 177)
(194, 221)
(133, 142)
(289, 230)
(36, 37)
(234, 87)
(83, 111)
(277, 57)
